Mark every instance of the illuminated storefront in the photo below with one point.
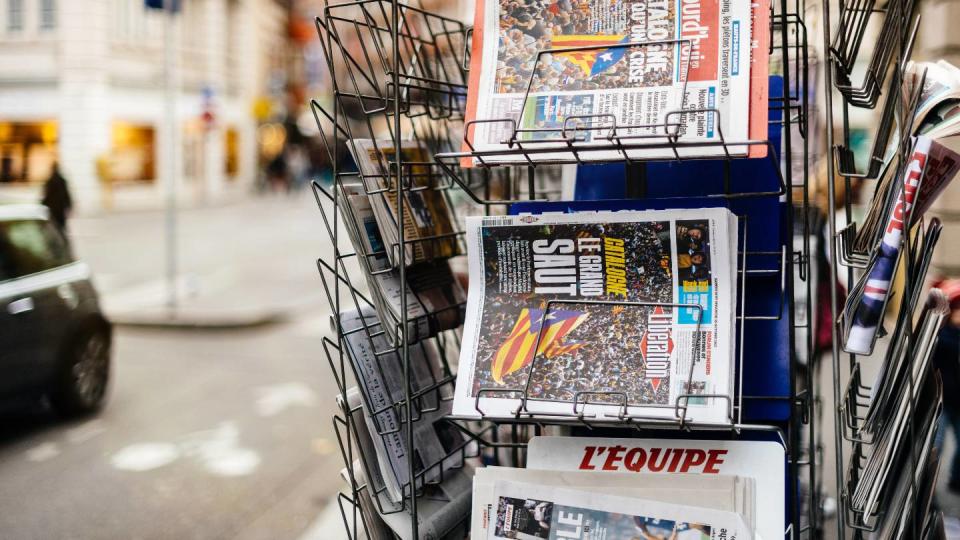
(133, 152)
(28, 151)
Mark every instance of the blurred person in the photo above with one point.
(946, 358)
(56, 197)
(6, 167)
(278, 177)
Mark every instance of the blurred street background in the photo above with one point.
(207, 433)
(217, 423)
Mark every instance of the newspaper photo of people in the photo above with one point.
(584, 309)
(599, 30)
(627, 66)
(583, 347)
(529, 519)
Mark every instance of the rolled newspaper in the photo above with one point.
(932, 166)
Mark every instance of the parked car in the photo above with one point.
(54, 340)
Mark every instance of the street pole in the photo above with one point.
(170, 109)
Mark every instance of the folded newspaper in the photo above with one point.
(435, 299)
(761, 461)
(531, 511)
(904, 194)
(632, 312)
(547, 67)
(381, 382)
(442, 507)
(427, 220)
(931, 167)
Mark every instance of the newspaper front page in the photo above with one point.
(530, 511)
(547, 310)
(647, 58)
(762, 461)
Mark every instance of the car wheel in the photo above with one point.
(84, 375)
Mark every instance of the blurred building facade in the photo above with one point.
(82, 83)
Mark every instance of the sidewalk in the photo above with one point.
(242, 264)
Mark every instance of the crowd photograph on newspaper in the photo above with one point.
(479, 269)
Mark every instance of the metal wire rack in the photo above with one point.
(857, 435)
(399, 73)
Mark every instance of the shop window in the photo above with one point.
(232, 152)
(132, 153)
(28, 151)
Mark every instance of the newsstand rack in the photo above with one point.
(861, 77)
(400, 72)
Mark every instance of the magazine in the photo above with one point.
(941, 83)
(530, 511)
(629, 64)
(631, 309)
(728, 493)
(435, 299)
(429, 232)
(762, 461)
(382, 385)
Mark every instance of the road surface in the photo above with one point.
(207, 434)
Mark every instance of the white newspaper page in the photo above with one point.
(530, 511)
(534, 322)
(764, 461)
(727, 493)
(647, 58)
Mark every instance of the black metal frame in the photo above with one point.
(388, 69)
(889, 56)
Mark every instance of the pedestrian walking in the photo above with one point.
(56, 197)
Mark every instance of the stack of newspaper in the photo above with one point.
(442, 505)
(899, 427)
(551, 73)
(902, 197)
(434, 298)
(622, 314)
(599, 488)
(377, 409)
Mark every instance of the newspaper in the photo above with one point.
(728, 493)
(382, 385)
(428, 224)
(435, 299)
(630, 63)
(941, 91)
(532, 281)
(892, 455)
(441, 508)
(907, 356)
(762, 461)
(530, 511)
(931, 167)
(373, 524)
(941, 83)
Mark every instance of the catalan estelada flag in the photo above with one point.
(591, 61)
(517, 350)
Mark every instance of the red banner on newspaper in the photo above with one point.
(695, 19)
